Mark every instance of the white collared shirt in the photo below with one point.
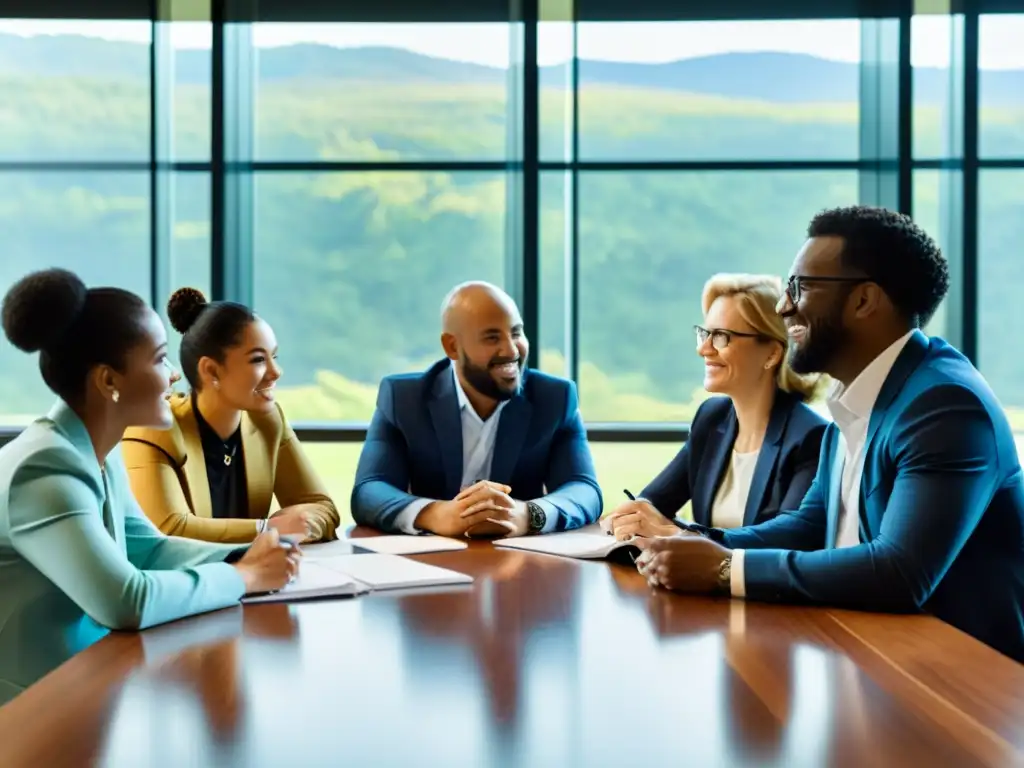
(479, 437)
(851, 410)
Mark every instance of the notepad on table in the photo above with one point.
(385, 545)
(381, 572)
(314, 581)
(584, 546)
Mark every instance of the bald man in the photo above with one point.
(478, 445)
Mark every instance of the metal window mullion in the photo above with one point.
(880, 182)
(161, 179)
(232, 149)
(969, 200)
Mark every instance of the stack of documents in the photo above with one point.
(347, 575)
(385, 545)
(586, 546)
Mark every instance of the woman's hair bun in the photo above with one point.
(40, 309)
(184, 307)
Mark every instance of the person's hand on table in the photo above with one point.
(291, 522)
(269, 563)
(637, 518)
(482, 509)
(682, 563)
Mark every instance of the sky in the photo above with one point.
(652, 42)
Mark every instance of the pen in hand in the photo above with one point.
(631, 497)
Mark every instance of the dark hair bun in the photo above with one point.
(40, 309)
(184, 306)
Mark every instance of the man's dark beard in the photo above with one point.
(825, 339)
(479, 377)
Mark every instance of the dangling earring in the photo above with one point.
(115, 396)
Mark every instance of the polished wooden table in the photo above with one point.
(542, 662)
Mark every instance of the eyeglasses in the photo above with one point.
(720, 337)
(795, 284)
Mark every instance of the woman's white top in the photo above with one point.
(731, 500)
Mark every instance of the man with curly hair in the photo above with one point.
(918, 502)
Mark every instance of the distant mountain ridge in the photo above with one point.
(770, 76)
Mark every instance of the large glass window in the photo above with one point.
(94, 223)
(763, 90)
(936, 196)
(191, 101)
(365, 257)
(351, 269)
(1001, 86)
(382, 92)
(189, 258)
(388, 166)
(1001, 275)
(74, 91)
(648, 243)
(556, 278)
(937, 120)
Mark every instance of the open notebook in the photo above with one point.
(582, 545)
(380, 571)
(314, 581)
(385, 545)
(349, 575)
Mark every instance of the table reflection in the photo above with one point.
(195, 682)
(513, 602)
(542, 661)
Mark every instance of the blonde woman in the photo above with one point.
(753, 450)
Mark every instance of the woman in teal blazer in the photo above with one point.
(77, 555)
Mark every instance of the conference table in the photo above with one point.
(542, 661)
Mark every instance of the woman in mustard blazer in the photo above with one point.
(213, 475)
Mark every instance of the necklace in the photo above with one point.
(229, 456)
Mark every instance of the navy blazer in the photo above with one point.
(413, 448)
(941, 509)
(784, 471)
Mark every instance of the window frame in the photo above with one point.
(886, 165)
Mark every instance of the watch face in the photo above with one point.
(537, 517)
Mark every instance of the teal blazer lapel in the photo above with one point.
(68, 422)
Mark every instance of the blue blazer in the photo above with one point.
(785, 466)
(941, 510)
(413, 448)
(78, 557)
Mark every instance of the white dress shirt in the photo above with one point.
(478, 440)
(730, 504)
(851, 410)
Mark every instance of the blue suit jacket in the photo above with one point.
(414, 448)
(785, 466)
(941, 510)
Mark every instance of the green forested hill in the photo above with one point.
(350, 267)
